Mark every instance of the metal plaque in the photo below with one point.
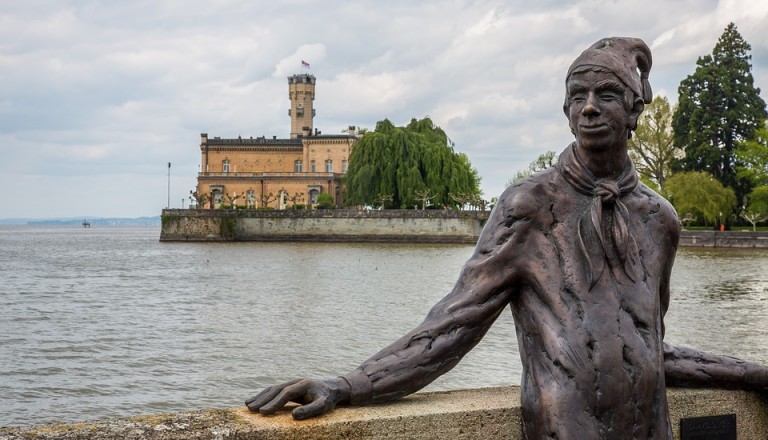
(709, 428)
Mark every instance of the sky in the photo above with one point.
(96, 97)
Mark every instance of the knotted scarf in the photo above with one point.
(605, 193)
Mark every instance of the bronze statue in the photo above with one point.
(582, 253)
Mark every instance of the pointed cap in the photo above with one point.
(628, 58)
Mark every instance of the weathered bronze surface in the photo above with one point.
(582, 253)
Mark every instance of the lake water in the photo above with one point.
(109, 322)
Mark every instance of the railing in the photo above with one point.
(255, 141)
(326, 213)
(271, 174)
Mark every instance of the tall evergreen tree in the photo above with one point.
(718, 106)
(399, 163)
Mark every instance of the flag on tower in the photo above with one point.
(304, 64)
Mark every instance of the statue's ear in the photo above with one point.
(634, 113)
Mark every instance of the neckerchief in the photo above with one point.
(604, 193)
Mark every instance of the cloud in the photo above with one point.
(290, 64)
(97, 97)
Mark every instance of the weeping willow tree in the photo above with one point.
(401, 164)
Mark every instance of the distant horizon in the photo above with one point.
(71, 220)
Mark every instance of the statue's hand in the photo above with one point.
(314, 396)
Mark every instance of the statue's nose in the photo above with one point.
(590, 106)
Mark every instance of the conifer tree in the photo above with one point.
(718, 107)
(403, 162)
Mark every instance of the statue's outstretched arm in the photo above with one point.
(451, 329)
(686, 367)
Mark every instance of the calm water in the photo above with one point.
(110, 322)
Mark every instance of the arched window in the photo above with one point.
(329, 166)
(313, 193)
(297, 166)
(225, 166)
(312, 166)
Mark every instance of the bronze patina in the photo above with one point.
(582, 253)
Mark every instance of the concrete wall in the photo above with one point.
(731, 239)
(488, 413)
(431, 226)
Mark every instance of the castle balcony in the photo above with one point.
(261, 175)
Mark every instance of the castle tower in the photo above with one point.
(301, 92)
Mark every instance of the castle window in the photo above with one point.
(297, 166)
(312, 166)
(329, 166)
(344, 165)
(225, 166)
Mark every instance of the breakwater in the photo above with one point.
(339, 225)
(725, 239)
(393, 226)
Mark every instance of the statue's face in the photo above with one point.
(596, 109)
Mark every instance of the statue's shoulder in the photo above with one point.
(543, 182)
(660, 208)
(656, 202)
(526, 196)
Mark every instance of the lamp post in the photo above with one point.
(169, 187)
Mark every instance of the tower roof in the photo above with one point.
(302, 78)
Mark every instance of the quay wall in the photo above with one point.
(486, 413)
(429, 226)
(725, 239)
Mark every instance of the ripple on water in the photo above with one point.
(112, 323)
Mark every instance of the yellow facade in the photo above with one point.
(277, 173)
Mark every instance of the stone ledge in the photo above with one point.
(486, 413)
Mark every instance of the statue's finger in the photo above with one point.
(266, 395)
(313, 409)
(287, 394)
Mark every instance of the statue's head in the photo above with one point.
(623, 64)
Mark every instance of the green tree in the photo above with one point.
(718, 106)
(325, 201)
(699, 194)
(651, 147)
(757, 206)
(541, 163)
(406, 161)
(752, 158)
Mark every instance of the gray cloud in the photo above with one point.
(98, 96)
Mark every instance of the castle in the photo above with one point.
(277, 173)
